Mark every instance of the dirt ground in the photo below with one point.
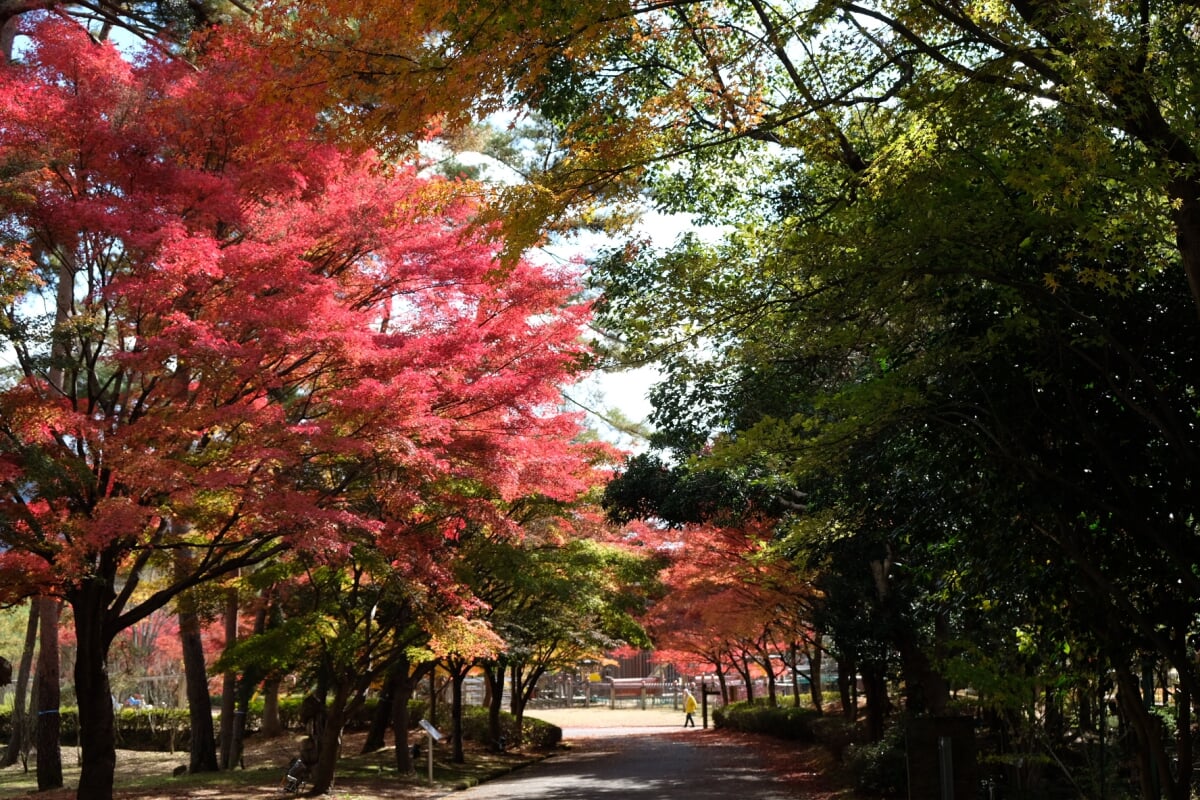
(808, 768)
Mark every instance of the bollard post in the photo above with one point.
(704, 693)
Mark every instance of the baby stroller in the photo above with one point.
(297, 774)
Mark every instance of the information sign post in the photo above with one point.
(434, 737)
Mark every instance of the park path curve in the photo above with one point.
(606, 762)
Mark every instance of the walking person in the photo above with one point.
(689, 708)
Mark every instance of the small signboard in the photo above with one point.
(433, 732)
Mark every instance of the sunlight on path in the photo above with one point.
(602, 721)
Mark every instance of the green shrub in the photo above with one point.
(542, 735)
(781, 722)
(159, 729)
(880, 768)
(835, 734)
(417, 709)
(538, 734)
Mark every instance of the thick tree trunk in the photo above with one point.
(203, 755)
(203, 748)
(456, 714)
(814, 676)
(241, 713)
(1156, 767)
(925, 690)
(382, 719)
(229, 682)
(743, 671)
(49, 724)
(516, 672)
(846, 678)
(329, 745)
(878, 703)
(494, 675)
(402, 692)
(1185, 191)
(408, 679)
(17, 743)
(522, 690)
(245, 689)
(272, 725)
(8, 38)
(96, 734)
(724, 686)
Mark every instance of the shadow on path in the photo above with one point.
(641, 765)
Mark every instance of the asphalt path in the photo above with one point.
(638, 764)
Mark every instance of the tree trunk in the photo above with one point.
(407, 681)
(794, 664)
(878, 704)
(229, 682)
(241, 713)
(329, 745)
(432, 714)
(743, 671)
(377, 734)
(814, 676)
(925, 690)
(1185, 192)
(522, 689)
(457, 676)
(1155, 765)
(402, 692)
(494, 675)
(772, 696)
(203, 748)
(846, 680)
(49, 723)
(8, 38)
(272, 725)
(1185, 737)
(245, 689)
(17, 743)
(96, 734)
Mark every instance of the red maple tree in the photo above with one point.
(729, 604)
(225, 327)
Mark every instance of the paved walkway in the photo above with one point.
(639, 763)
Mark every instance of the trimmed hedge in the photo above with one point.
(169, 729)
(289, 713)
(164, 729)
(539, 734)
(783, 723)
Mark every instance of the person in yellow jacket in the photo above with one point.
(689, 708)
